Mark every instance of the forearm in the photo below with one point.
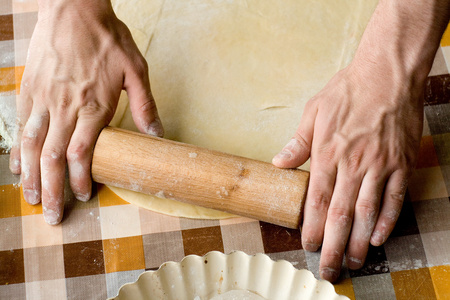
(402, 38)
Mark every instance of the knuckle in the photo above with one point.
(395, 163)
(327, 153)
(331, 259)
(33, 128)
(95, 109)
(367, 209)
(391, 217)
(83, 98)
(90, 108)
(353, 160)
(148, 107)
(384, 226)
(64, 103)
(51, 157)
(142, 66)
(77, 152)
(319, 200)
(396, 198)
(29, 140)
(79, 179)
(341, 216)
(302, 141)
(379, 175)
(333, 256)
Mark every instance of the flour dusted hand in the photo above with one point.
(80, 58)
(362, 133)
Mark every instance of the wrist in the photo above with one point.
(402, 38)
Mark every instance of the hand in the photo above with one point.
(362, 132)
(80, 58)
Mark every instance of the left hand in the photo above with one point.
(362, 132)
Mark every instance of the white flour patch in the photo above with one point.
(34, 124)
(76, 169)
(7, 121)
(26, 169)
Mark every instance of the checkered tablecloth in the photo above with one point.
(107, 242)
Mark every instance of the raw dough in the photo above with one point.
(235, 75)
(238, 295)
(169, 206)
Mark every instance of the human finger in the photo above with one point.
(339, 223)
(33, 137)
(320, 190)
(14, 157)
(366, 214)
(142, 104)
(298, 149)
(23, 107)
(53, 166)
(392, 203)
(79, 156)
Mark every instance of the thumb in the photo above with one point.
(142, 105)
(298, 149)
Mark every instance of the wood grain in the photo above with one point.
(200, 176)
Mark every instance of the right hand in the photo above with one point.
(80, 58)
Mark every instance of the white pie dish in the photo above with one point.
(200, 278)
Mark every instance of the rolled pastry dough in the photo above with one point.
(234, 75)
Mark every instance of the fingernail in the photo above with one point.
(354, 263)
(377, 239)
(155, 128)
(287, 151)
(311, 247)
(83, 197)
(32, 197)
(283, 155)
(51, 216)
(329, 274)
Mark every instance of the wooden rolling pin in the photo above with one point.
(195, 175)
